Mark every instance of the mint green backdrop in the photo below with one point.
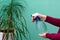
(47, 7)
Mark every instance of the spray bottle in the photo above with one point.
(40, 25)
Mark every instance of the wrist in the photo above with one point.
(45, 17)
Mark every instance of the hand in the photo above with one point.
(42, 17)
(43, 35)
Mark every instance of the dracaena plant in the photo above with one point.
(12, 20)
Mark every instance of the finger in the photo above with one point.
(40, 34)
(33, 19)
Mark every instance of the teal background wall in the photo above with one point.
(47, 7)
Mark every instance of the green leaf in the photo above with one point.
(14, 8)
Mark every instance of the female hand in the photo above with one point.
(43, 35)
(41, 16)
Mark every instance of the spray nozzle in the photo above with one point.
(37, 18)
